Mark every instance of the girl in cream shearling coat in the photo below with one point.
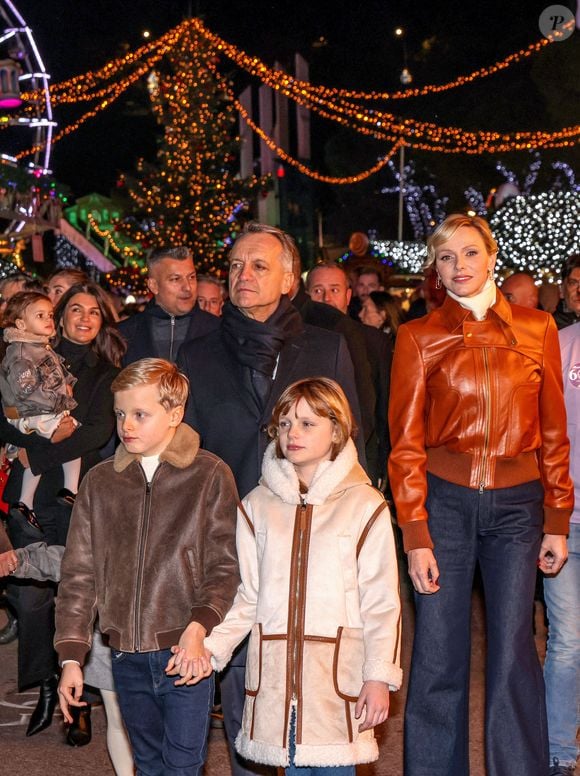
(319, 594)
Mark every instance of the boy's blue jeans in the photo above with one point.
(562, 666)
(167, 725)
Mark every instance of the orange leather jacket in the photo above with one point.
(479, 404)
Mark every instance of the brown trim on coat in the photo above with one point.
(349, 698)
(302, 620)
(291, 604)
(275, 637)
(246, 518)
(325, 639)
(348, 721)
(368, 526)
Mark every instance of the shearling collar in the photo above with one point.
(12, 334)
(180, 452)
(280, 477)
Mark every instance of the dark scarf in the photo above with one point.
(255, 344)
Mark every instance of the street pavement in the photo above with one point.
(46, 754)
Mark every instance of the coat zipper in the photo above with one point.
(172, 337)
(298, 592)
(487, 391)
(142, 541)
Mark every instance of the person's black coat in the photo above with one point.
(138, 330)
(222, 407)
(379, 349)
(563, 316)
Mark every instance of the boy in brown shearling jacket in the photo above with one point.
(151, 552)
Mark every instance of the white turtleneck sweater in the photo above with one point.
(479, 303)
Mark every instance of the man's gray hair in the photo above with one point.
(290, 255)
(180, 253)
(214, 281)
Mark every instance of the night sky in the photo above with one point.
(444, 39)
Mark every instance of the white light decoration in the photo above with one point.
(538, 232)
(406, 256)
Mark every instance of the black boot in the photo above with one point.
(41, 717)
(79, 731)
(10, 631)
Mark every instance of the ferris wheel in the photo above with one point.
(23, 124)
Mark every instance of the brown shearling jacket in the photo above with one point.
(148, 559)
(479, 404)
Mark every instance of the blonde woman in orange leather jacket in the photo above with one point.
(479, 473)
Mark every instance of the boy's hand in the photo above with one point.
(374, 697)
(190, 659)
(70, 689)
(8, 563)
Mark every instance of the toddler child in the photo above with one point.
(36, 389)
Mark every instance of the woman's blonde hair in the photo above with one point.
(173, 385)
(447, 229)
(326, 399)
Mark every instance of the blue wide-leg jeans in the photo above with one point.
(502, 530)
(167, 725)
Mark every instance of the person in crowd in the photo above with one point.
(36, 389)
(162, 576)
(568, 309)
(92, 349)
(549, 296)
(237, 374)
(382, 312)
(368, 279)
(308, 625)
(8, 287)
(364, 279)
(43, 562)
(479, 473)
(520, 288)
(172, 316)
(562, 592)
(371, 354)
(211, 294)
(61, 280)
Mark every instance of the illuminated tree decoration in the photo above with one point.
(536, 233)
(191, 195)
(127, 281)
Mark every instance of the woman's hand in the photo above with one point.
(423, 570)
(374, 699)
(64, 430)
(553, 553)
(8, 563)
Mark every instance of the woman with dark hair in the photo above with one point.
(60, 281)
(381, 311)
(92, 349)
(479, 473)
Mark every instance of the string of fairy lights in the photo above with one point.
(334, 104)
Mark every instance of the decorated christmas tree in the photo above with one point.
(192, 195)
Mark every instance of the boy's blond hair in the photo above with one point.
(173, 385)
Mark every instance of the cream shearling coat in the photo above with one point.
(319, 595)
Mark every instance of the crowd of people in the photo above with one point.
(134, 571)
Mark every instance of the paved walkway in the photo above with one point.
(46, 754)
